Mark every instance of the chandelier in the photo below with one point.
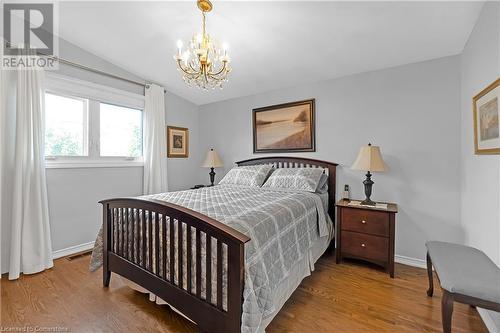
(203, 64)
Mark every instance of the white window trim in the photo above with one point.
(65, 164)
(64, 85)
(76, 87)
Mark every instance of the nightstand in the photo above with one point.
(366, 233)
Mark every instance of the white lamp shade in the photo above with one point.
(212, 160)
(370, 159)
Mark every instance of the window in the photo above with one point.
(66, 126)
(121, 131)
(87, 125)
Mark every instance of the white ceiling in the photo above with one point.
(272, 44)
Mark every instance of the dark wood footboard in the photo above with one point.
(162, 247)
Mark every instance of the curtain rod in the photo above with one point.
(90, 69)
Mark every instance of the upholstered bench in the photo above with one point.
(466, 275)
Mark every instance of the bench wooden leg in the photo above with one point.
(430, 291)
(446, 311)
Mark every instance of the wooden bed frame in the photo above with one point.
(128, 255)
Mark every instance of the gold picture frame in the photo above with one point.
(177, 142)
(285, 128)
(486, 111)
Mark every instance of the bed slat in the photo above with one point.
(117, 222)
(172, 251)
(219, 274)
(122, 243)
(198, 263)
(127, 235)
(150, 241)
(143, 238)
(164, 245)
(132, 233)
(180, 249)
(157, 244)
(189, 254)
(208, 268)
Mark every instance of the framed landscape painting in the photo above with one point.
(486, 108)
(177, 141)
(284, 128)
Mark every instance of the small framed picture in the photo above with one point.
(486, 107)
(177, 141)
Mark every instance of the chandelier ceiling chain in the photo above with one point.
(203, 64)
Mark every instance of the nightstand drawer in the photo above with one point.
(365, 221)
(365, 246)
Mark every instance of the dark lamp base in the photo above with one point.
(368, 182)
(368, 202)
(212, 176)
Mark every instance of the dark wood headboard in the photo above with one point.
(294, 162)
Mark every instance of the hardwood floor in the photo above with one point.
(350, 297)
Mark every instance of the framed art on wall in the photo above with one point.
(177, 141)
(285, 127)
(486, 109)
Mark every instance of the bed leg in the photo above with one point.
(106, 244)
(331, 247)
(430, 291)
(106, 276)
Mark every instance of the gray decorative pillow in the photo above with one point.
(252, 175)
(300, 179)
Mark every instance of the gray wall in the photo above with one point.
(73, 193)
(411, 111)
(182, 171)
(480, 174)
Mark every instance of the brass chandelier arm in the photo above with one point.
(192, 68)
(223, 69)
(192, 71)
(217, 78)
(186, 70)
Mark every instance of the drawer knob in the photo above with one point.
(363, 245)
(363, 221)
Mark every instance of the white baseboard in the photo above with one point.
(72, 250)
(67, 251)
(488, 321)
(410, 261)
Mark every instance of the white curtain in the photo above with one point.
(30, 248)
(155, 147)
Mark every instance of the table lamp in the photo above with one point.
(212, 161)
(370, 160)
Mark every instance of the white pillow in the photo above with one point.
(252, 175)
(300, 179)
